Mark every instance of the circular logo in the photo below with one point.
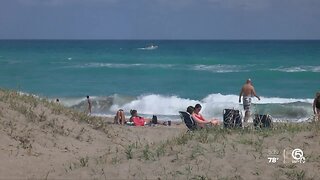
(297, 154)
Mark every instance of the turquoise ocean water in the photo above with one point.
(164, 80)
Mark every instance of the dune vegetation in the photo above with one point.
(44, 140)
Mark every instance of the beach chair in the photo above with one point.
(188, 120)
(262, 121)
(232, 118)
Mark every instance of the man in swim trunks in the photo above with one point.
(247, 91)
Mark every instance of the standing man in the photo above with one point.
(316, 106)
(247, 91)
(89, 104)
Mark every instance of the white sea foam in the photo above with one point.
(298, 69)
(69, 102)
(220, 68)
(148, 48)
(122, 66)
(213, 105)
(157, 104)
(108, 65)
(217, 68)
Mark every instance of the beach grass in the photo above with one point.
(92, 143)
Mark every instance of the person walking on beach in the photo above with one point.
(89, 104)
(247, 91)
(316, 106)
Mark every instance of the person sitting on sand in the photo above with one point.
(138, 120)
(200, 120)
(120, 117)
(316, 106)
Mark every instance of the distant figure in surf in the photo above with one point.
(247, 91)
(89, 104)
(57, 101)
(316, 106)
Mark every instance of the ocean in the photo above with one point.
(168, 77)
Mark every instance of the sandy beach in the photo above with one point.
(44, 140)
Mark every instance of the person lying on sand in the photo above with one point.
(120, 117)
(200, 120)
(137, 120)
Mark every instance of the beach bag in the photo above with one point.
(154, 120)
(262, 121)
(138, 121)
(232, 118)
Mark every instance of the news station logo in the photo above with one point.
(293, 156)
(288, 155)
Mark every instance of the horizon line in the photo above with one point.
(94, 39)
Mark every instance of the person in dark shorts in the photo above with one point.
(316, 106)
(89, 104)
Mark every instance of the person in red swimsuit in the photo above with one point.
(200, 120)
(138, 120)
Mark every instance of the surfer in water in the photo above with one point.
(247, 91)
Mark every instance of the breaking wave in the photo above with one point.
(216, 68)
(213, 105)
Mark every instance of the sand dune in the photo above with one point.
(43, 140)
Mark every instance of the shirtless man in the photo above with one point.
(247, 92)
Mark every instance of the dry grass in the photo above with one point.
(212, 153)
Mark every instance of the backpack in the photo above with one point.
(154, 120)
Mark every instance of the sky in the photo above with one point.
(159, 19)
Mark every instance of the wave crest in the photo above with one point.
(212, 105)
(220, 68)
(216, 68)
(298, 69)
